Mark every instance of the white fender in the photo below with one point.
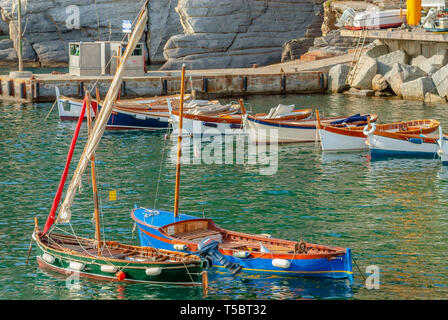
(153, 271)
(281, 263)
(109, 269)
(241, 254)
(369, 132)
(179, 246)
(78, 266)
(48, 258)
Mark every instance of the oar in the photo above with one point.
(51, 109)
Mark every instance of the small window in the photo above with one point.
(137, 50)
(74, 50)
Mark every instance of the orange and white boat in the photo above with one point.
(229, 119)
(335, 138)
(262, 130)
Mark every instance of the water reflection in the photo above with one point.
(391, 213)
(338, 157)
(223, 285)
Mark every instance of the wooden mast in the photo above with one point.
(319, 123)
(179, 141)
(94, 185)
(101, 119)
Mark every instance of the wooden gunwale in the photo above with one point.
(180, 257)
(311, 123)
(416, 128)
(238, 118)
(406, 136)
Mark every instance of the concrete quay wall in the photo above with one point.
(41, 87)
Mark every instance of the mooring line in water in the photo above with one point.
(364, 277)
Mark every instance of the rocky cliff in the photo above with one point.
(203, 34)
(50, 24)
(230, 33)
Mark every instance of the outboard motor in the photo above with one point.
(208, 251)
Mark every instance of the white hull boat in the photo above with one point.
(377, 19)
(271, 130)
(390, 145)
(337, 139)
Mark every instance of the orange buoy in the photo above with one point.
(120, 275)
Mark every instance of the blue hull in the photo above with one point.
(380, 153)
(124, 121)
(148, 224)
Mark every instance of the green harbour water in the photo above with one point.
(391, 213)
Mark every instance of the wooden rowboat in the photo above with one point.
(383, 144)
(286, 131)
(118, 262)
(70, 108)
(228, 123)
(335, 138)
(254, 253)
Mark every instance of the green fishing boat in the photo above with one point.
(118, 262)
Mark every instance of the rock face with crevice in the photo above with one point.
(48, 26)
(234, 34)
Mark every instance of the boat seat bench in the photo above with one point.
(191, 235)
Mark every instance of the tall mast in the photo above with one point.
(103, 116)
(19, 31)
(179, 141)
(94, 185)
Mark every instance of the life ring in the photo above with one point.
(369, 132)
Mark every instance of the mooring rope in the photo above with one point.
(359, 270)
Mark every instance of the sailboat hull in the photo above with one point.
(151, 234)
(105, 268)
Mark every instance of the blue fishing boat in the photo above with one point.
(254, 253)
(136, 119)
(233, 250)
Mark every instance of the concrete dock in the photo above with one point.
(414, 41)
(297, 77)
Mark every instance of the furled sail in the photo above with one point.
(101, 121)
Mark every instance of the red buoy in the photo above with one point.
(120, 275)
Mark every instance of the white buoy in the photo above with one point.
(179, 246)
(48, 258)
(241, 254)
(281, 263)
(78, 266)
(153, 271)
(109, 269)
